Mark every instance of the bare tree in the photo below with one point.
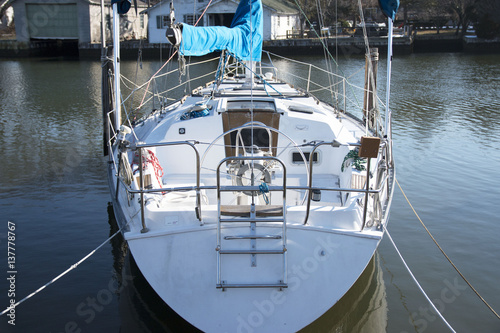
(307, 7)
(464, 11)
(438, 12)
(487, 23)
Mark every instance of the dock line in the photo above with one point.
(418, 284)
(72, 267)
(442, 251)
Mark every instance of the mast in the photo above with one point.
(389, 8)
(388, 85)
(116, 63)
(103, 31)
(106, 90)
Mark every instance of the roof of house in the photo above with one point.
(281, 6)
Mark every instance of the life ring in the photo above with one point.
(265, 176)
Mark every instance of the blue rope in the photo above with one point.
(264, 189)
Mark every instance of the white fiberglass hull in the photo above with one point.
(322, 266)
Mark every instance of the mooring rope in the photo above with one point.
(418, 284)
(72, 267)
(445, 255)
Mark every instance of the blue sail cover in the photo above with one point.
(123, 5)
(389, 7)
(243, 39)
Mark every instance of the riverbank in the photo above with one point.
(343, 45)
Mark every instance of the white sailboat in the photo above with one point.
(245, 203)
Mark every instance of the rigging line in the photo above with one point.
(63, 273)
(261, 78)
(445, 255)
(171, 57)
(365, 35)
(202, 14)
(152, 77)
(252, 117)
(327, 63)
(138, 87)
(356, 72)
(321, 88)
(127, 114)
(308, 64)
(368, 57)
(336, 44)
(418, 284)
(323, 44)
(187, 84)
(137, 65)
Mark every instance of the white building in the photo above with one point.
(7, 18)
(78, 20)
(279, 16)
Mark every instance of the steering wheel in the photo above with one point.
(247, 173)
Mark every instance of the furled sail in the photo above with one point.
(124, 5)
(389, 8)
(243, 39)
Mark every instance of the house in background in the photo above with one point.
(73, 20)
(6, 16)
(279, 16)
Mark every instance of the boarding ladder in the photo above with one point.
(233, 249)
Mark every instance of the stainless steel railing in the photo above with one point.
(198, 188)
(142, 190)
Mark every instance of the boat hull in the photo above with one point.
(321, 267)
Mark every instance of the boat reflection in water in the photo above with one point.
(362, 309)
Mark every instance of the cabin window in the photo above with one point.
(297, 157)
(260, 138)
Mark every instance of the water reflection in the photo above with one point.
(362, 309)
(48, 126)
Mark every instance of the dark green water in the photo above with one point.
(53, 187)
